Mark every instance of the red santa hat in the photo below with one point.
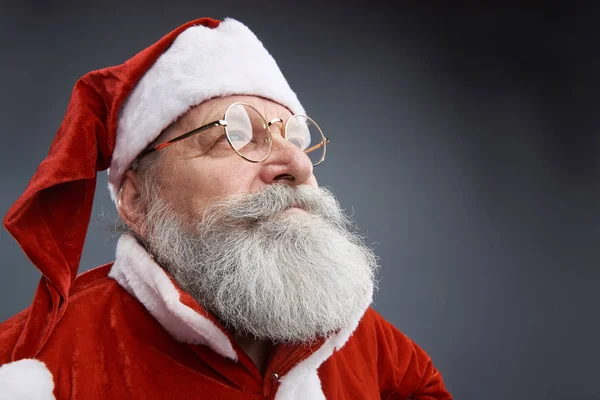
(114, 114)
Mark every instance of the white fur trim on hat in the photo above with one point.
(202, 63)
(26, 379)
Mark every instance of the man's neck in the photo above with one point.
(258, 350)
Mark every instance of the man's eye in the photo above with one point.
(238, 137)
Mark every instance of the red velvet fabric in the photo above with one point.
(50, 219)
(107, 346)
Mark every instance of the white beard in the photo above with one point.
(264, 270)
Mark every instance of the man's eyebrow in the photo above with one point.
(197, 120)
(213, 114)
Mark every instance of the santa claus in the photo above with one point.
(235, 276)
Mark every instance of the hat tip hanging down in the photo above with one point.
(50, 219)
(113, 114)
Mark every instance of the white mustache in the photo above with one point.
(275, 199)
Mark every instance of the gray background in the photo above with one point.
(464, 141)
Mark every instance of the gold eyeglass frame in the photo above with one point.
(222, 122)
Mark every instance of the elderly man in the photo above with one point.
(236, 275)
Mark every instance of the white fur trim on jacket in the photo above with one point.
(202, 63)
(26, 379)
(137, 273)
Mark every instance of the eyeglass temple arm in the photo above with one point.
(317, 146)
(184, 136)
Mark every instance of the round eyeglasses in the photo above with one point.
(249, 134)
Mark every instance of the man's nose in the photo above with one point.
(286, 161)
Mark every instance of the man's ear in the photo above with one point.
(130, 208)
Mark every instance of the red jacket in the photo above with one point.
(130, 332)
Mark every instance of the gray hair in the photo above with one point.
(147, 168)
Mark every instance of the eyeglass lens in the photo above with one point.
(249, 135)
(247, 132)
(303, 132)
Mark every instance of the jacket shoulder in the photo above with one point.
(403, 368)
(91, 278)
